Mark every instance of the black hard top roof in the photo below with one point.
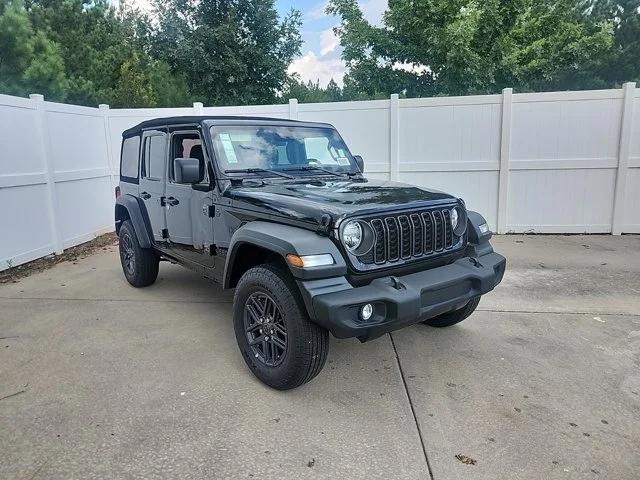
(228, 119)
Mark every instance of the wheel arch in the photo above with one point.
(260, 242)
(128, 208)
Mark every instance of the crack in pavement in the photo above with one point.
(413, 412)
(615, 314)
(13, 394)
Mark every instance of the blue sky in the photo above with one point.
(320, 53)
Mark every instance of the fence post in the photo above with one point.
(45, 151)
(626, 128)
(111, 163)
(394, 137)
(505, 159)
(198, 108)
(293, 108)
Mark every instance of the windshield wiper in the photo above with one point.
(321, 169)
(259, 170)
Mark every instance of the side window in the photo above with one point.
(187, 145)
(129, 159)
(154, 157)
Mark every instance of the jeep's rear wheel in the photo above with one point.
(278, 341)
(456, 316)
(140, 265)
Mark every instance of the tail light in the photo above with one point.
(117, 192)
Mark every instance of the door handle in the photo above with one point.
(172, 201)
(145, 195)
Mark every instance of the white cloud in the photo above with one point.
(411, 67)
(328, 42)
(317, 12)
(311, 67)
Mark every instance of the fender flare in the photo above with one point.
(283, 240)
(478, 241)
(138, 216)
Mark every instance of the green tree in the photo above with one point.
(458, 47)
(29, 61)
(83, 52)
(623, 62)
(46, 73)
(229, 51)
(16, 48)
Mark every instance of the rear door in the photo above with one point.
(153, 172)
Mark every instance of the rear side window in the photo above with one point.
(129, 159)
(154, 157)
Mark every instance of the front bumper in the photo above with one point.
(400, 301)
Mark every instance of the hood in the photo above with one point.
(310, 199)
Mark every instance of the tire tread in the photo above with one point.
(456, 316)
(147, 260)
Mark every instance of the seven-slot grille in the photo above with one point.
(406, 236)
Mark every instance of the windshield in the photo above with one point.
(288, 149)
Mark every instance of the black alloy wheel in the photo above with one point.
(127, 254)
(265, 329)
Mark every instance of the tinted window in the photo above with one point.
(129, 160)
(154, 157)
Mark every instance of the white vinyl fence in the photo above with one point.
(559, 162)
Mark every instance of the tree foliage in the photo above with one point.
(230, 51)
(457, 47)
(88, 52)
(225, 52)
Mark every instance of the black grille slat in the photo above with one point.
(428, 236)
(393, 239)
(406, 237)
(379, 248)
(418, 234)
(438, 231)
(448, 233)
(410, 235)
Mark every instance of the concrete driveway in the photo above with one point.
(100, 380)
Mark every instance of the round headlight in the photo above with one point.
(454, 218)
(458, 221)
(352, 235)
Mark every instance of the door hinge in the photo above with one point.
(212, 211)
(162, 201)
(165, 233)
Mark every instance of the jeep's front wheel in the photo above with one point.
(456, 316)
(278, 341)
(140, 265)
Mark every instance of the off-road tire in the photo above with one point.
(456, 316)
(307, 344)
(145, 261)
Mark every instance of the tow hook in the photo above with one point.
(476, 262)
(396, 283)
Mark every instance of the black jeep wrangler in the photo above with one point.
(280, 211)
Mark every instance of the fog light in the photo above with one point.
(366, 311)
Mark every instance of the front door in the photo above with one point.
(190, 228)
(152, 179)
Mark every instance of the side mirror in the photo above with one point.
(187, 170)
(360, 162)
